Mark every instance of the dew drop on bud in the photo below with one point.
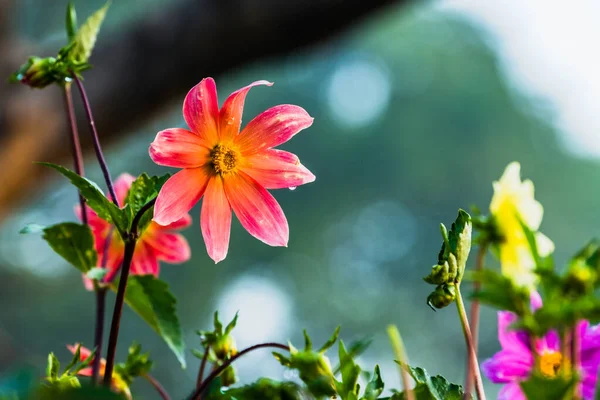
(292, 187)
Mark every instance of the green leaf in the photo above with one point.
(354, 350)
(500, 292)
(105, 209)
(85, 39)
(32, 228)
(538, 387)
(53, 367)
(71, 22)
(375, 386)
(433, 388)
(73, 242)
(144, 189)
(75, 359)
(150, 298)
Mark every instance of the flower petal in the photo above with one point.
(215, 220)
(258, 211)
(277, 169)
(144, 260)
(510, 339)
(179, 148)
(169, 247)
(181, 223)
(272, 127)
(507, 366)
(122, 185)
(179, 194)
(201, 110)
(511, 391)
(231, 113)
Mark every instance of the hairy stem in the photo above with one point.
(400, 353)
(462, 313)
(159, 388)
(99, 330)
(202, 367)
(199, 390)
(96, 139)
(130, 242)
(475, 318)
(75, 145)
(100, 292)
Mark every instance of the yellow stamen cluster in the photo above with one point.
(550, 363)
(224, 159)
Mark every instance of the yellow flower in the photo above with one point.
(512, 200)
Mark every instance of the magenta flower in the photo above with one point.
(157, 243)
(231, 169)
(515, 362)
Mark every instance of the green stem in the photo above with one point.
(462, 313)
(400, 353)
(474, 314)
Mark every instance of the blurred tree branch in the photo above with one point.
(149, 65)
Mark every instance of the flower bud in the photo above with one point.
(442, 296)
(37, 72)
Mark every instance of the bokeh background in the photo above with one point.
(418, 107)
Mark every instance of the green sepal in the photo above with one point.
(137, 364)
(71, 22)
(539, 387)
(375, 386)
(53, 367)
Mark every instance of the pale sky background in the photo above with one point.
(550, 49)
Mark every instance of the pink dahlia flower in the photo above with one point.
(231, 169)
(156, 243)
(515, 362)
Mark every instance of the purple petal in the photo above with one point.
(510, 339)
(507, 366)
(512, 391)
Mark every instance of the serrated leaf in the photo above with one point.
(85, 39)
(433, 388)
(538, 387)
(105, 209)
(32, 228)
(71, 22)
(73, 242)
(150, 298)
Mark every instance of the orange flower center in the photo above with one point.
(224, 159)
(550, 363)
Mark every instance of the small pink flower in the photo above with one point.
(157, 243)
(231, 169)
